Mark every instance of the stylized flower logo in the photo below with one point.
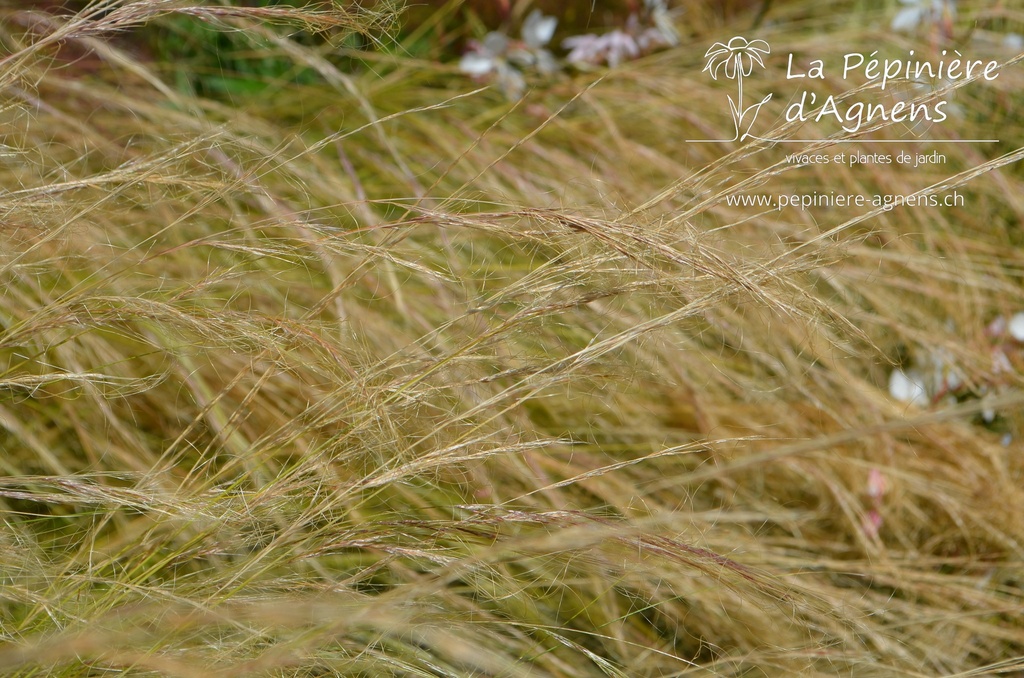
(736, 59)
(738, 56)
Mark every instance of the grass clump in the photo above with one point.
(381, 373)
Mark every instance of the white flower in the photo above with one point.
(496, 43)
(503, 57)
(1016, 326)
(485, 57)
(661, 17)
(511, 80)
(988, 412)
(918, 12)
(492, 57)
(538, 29)
(1000, 362)
(945, 375)
(908, 387)
(997, 327)
(585, 49)
(477, 63)
(611, 48)
(623, 44)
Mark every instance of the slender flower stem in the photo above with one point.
(739, 97)
(739, 100)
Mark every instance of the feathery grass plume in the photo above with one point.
(380, 374)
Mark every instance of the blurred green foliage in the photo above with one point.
(224, 62)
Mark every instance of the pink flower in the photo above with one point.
(872, 523)
(877, 485)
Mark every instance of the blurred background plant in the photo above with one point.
(498, 55)
(644, 32)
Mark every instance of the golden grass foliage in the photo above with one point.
(392, 376)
